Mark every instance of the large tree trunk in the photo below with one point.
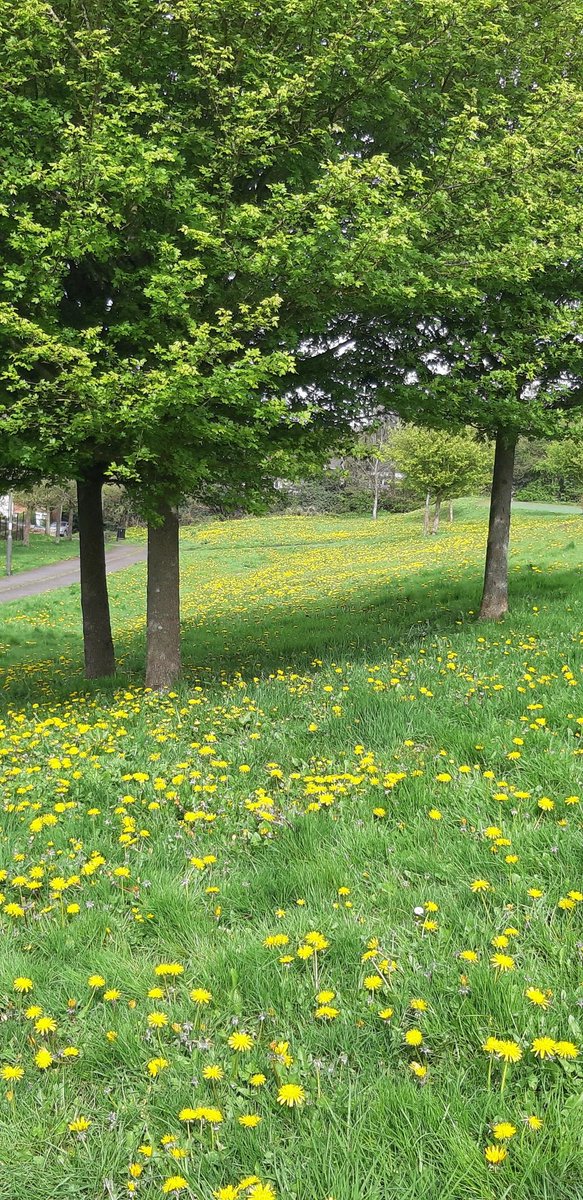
(97, 639)
(163, 603)
(495, 595)
(426, 515)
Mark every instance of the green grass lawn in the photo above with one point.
(41, 551)
(257, 932)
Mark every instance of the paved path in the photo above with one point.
(62, 574)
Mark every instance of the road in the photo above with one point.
(62, 574)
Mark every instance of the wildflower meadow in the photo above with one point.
(309, 926)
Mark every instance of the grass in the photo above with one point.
(41, 552)
(337, 692)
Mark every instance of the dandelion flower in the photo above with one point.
(413, 1037)
(22, 984)
(43, 1058)
(503, 962)
(201, 996)
(503, 1131)
(213, 1072)
(543, 1047)
(156, 1020)
(249, 1120)
(96, 981)
(261, 1191)
(240, 1042)
(566, 1049)
(176, 1183)
(156, 1065)
(11, 1074)
(79, 1125)
(258, 1079)
(45, 1025)
(534, 1122)
(291, 1094)
(495, 1154)
(542, 999)
(419, 1071)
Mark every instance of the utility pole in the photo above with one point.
(9, 534)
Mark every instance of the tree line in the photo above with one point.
(232, 233)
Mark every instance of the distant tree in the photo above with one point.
(564, 461)
(440, 465)
(372, 453)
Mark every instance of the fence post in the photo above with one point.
(9, 534)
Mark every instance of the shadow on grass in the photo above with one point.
(391, 621)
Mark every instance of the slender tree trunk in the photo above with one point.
(163, 603)
(436, 515)
(48, 522)
(58, 523)
(375, 503)
(70, 516)
(495, 595)
(450, 513)
(97, 639)
(426, 515)
(26, 528)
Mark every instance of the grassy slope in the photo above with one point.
(324, 658)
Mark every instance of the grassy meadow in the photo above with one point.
(310, 926)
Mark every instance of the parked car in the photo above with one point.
(63, 530)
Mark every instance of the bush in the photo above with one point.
(538, 489)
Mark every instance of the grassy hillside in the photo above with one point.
(298, 929)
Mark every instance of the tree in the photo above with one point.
(440, 465)
(186, 201)
(564, 460)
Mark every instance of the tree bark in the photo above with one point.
(375, 503)
(495, 594)
(436, 515)
(58, 523)
(163, 603)
(70, 516)
(426, 515)
(97, 639)
(26, 528)
(450, 513)
(48, 522)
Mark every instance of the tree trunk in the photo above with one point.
(26, 528)
(70, 516)
(48, 522)
(375, 503)
(163, 603)
(495, 595)
(97, 639)
(436, 515)
(426, 515)
(450, 513)
(58, 523)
